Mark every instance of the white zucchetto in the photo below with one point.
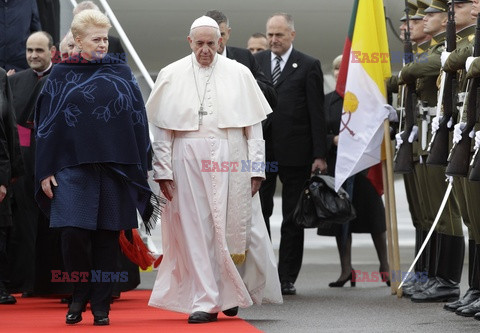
(204, 21)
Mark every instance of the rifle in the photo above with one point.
(404, 157)
(438, 147)
(460, 154)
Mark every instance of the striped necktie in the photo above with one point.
(276, 71)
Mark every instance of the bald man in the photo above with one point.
(26, 86)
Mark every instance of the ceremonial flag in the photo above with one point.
(365, 66)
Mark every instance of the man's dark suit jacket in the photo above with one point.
(246, 58)
(297, 131)
(11, 164)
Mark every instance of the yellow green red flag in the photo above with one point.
(365, 66)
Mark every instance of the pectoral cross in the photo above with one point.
(201, 113)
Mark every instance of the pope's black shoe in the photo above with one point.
(477, 316)
(100, 318)
(470, 296)
(232, 312)
(469, 310)
(442, 291)
(288, 288)
(6, 298)
(200, 317)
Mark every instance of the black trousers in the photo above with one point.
(291, 242)
(4, 271)
(86, 250)
(22, 238)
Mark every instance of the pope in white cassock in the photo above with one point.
(206, 112)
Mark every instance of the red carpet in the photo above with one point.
(130, 314)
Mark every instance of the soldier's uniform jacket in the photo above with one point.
(457, 59)
(425, 73)
(395, 84)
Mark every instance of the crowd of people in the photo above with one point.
(78, 142)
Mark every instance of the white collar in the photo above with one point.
(284, 56)
(194, 61)
(41, 73)
(224, 53)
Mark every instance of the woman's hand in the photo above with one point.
(47, 187)
(166, 187)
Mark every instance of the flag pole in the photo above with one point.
(387, 222)
(391, 212)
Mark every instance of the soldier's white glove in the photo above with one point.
(392, 113)
(436, 123)
(468, 63)
(398, 139)
(449, 179)
(477, 140)
(444, 57)
(457, 132)
(413, 134)
(412, 137)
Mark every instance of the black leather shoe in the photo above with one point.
(288, 288)
(74, 314)
(442, 291)
(477, 316)
(469, 310)
(231, 312)
(200, 317)
(6, 298)
(100, 318)
(417, 287)
(470, 296)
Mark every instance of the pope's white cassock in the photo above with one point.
(212, 221)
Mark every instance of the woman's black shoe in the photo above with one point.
(340, 283)
(100, 318)
(74, 314)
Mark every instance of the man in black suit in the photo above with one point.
(295, 136)
(11, 167)
(49, 14)
(244, 57)
(26, 86)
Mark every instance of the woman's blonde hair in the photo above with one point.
(86, 19)
(336, 62)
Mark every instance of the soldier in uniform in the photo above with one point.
(446, 249)
(421, 42)
(467, 191)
